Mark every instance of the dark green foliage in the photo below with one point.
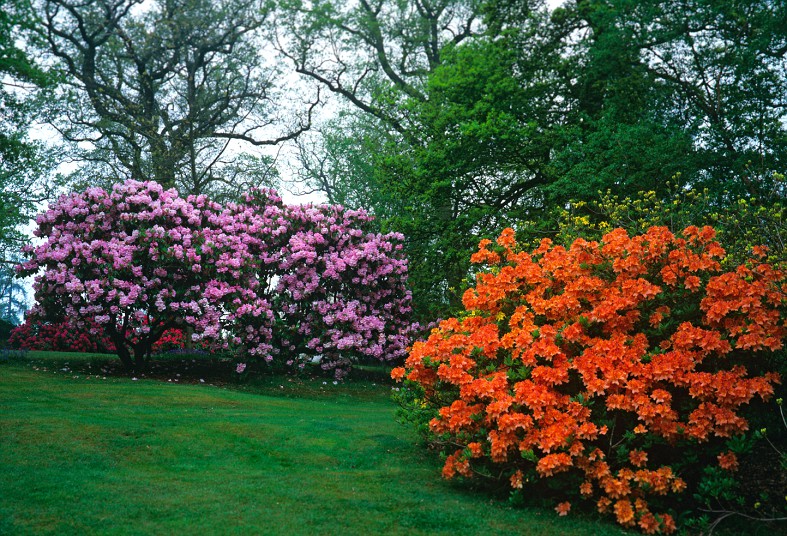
(5, 332)
(22, 161)
(13, 297)
(459, 133)
(685, 85)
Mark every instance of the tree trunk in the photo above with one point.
(188, 342)
(123, 353)
(142, 351)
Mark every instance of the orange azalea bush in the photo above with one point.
(601, 367)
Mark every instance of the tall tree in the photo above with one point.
(726, 62)
(489, 112)
(452, 136)
(13, 296)
(22, 161)
(333, 160)
(376, 54)
(690, 86)
(166, 90)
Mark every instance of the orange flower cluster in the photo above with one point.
(562, 351)
(728, 461)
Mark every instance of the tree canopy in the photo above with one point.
(22, 161)
(453, 118)
(161, 90)
(484, 113)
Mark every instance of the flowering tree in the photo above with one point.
(601, 367)
(342, 291)
(139, 261)
(244, 241)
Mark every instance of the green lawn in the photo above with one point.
(85, 455)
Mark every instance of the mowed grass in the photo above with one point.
(118, 456)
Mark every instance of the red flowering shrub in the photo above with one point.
(60, 337)
(172, 339)
(64, 337)
(175, 339)
(614, 370)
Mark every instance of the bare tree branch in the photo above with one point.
(163, 91)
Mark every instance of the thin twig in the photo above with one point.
(728, 513)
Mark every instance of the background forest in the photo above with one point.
(446, 119)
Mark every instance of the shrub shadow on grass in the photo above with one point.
(8, 355)
(368, 381)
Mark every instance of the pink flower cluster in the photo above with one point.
(268, 278)
(342, 292)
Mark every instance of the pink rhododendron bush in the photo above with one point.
(262, 277)
(341, 290)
